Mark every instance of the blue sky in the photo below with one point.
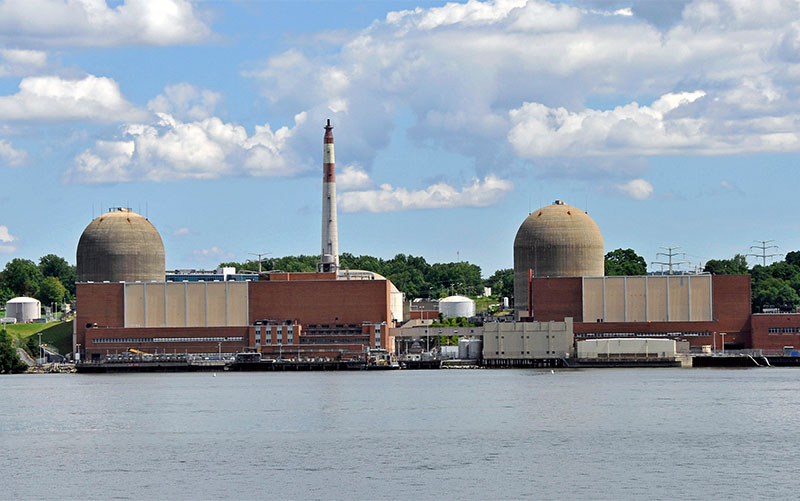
(674, 123)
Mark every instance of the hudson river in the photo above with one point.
(469, 434)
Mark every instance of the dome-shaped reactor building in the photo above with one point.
(557, 240)
(120, 246)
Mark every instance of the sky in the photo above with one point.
(673, 123)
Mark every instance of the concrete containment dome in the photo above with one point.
(557, 240)
(457, 306)
(120, 246)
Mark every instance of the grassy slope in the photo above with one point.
(56, 334)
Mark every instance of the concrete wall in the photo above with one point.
(681, 298)
(527, 340)
(186, 304)
(626, 348)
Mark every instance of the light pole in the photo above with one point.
(722, 335)
(40, 348)
(219, 350)
(77, 352)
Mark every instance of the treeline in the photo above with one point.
(411, 274)
(776, 285)
(50, 281)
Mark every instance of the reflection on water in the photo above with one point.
(627, 433)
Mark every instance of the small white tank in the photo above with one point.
(475, 348)
(463, 348)
(24, 309)
(457, 306)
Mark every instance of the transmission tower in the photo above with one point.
(669, 255)
(260, 258)
(763, 247)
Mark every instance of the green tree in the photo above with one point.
(21, 277)
(793, 258)
(737, 265)
(55, 266)
(774, 292)
(51, 291)
(9, 359)
(501, 282)
(625, 262)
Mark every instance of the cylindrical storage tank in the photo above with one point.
(463, 348)
(557, 240)
(24, 309)
(120, 246)
(457, 306)
(475, 348)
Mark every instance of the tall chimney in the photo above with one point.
(329, 260)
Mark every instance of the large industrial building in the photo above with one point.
(125, 300)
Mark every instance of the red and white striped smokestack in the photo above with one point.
(329, 260)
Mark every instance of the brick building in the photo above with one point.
(286, 314)
(701, 309)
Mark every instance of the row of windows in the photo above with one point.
(120, 340)
(783, 330)
(322, 340)
(643, 334)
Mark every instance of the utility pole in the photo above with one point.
(259, 258)
(763, 248)
(669, 255)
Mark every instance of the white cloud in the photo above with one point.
(52, 98)
(638, 189)
(15, 62)
(181, 231)
(170, 149)
(213, 253)
(185, 101)
(539, 131)
(352, 177)
(438, 196)
(7, 240)
(11, 156)
(474, 75)
(94, 23)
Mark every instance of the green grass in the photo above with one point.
(56, 334)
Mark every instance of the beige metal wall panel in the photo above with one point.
(134, 305)
(176, 305)
(637, 299)
(679, 299)
(527, 340)
(154, 298)
(196, 303)
(216, 304)
(657, 299)
(615, 299)
(592, 299)
(237, 304)
(701, 298)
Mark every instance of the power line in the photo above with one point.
(669, 255)
(763, 247)
(259, 258)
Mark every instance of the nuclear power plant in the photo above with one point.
(557, 240)
(126, 302)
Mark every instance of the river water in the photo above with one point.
(474, 434)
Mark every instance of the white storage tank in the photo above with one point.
(476, 348)
(457, 306)
(24, 309)
(463, 348)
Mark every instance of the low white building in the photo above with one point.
(626, 348)
(527, 340)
